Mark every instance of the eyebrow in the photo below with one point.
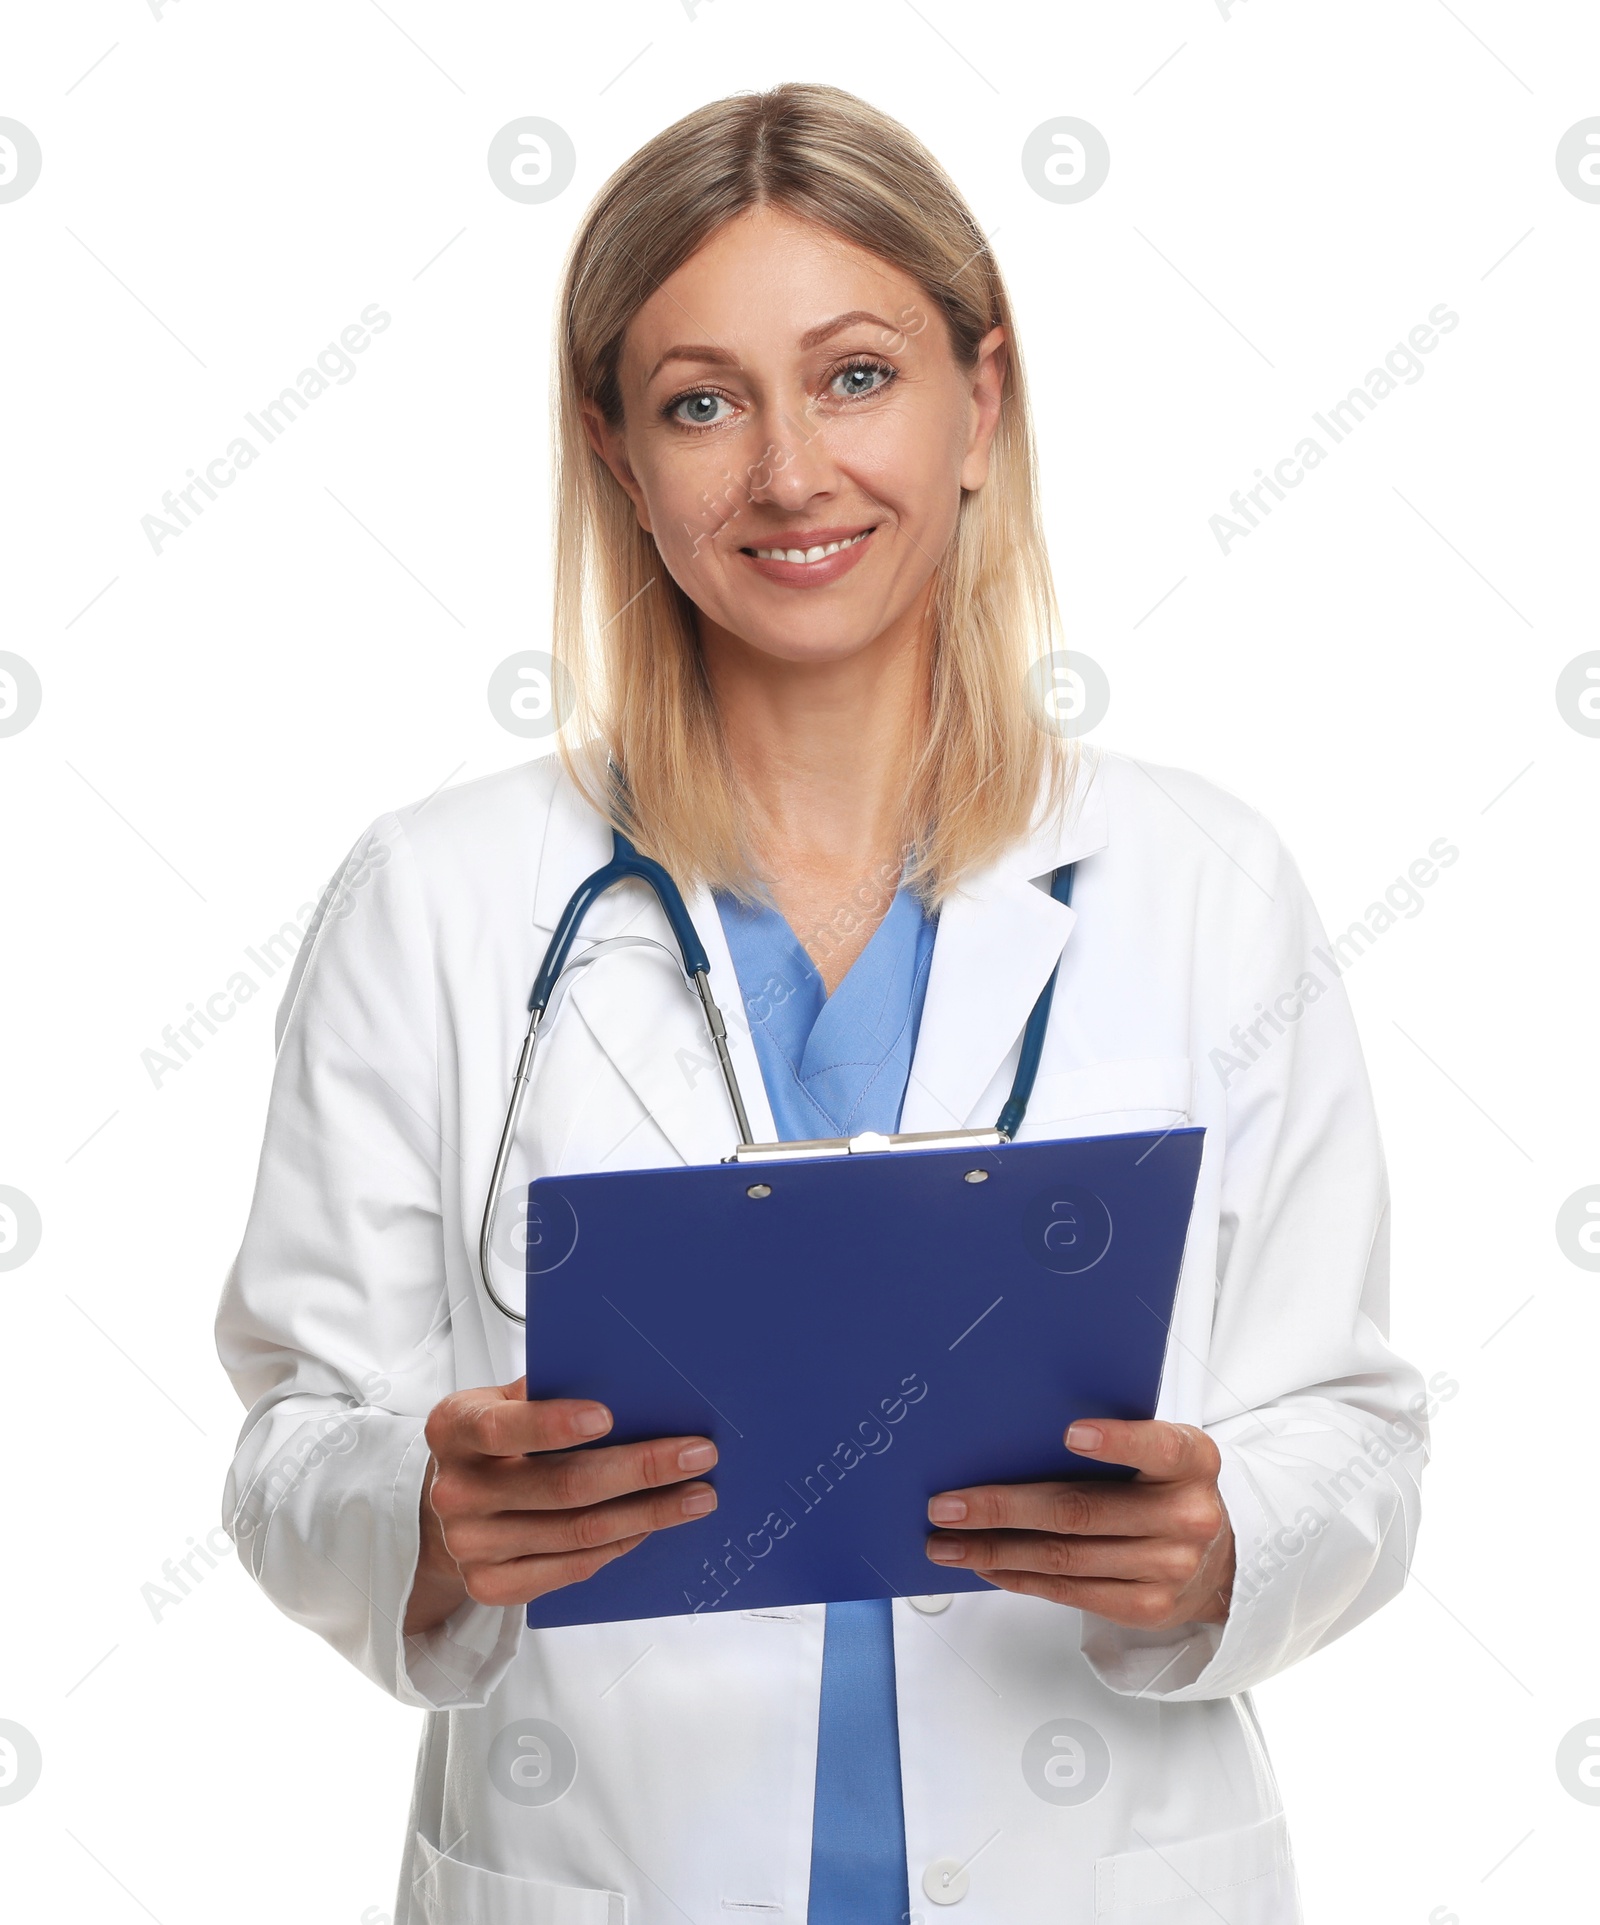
(813, 338)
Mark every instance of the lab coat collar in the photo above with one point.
(1000, 935)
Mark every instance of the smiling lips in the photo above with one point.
(827, 554)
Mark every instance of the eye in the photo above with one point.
(697, 409)
(857, 379)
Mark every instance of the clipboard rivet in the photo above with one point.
(976, 1176)
(759, 1190)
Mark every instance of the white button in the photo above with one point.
(930, 1607)
(945, 1881)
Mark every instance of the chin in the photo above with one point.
(836, 644)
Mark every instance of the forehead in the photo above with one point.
(761, 282)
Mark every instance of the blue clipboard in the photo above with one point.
(854, 1333)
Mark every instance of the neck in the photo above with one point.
(822, 750)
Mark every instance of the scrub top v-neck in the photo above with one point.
(834, 1066)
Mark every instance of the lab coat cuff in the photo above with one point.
(1191, 1661)
(458, 1664)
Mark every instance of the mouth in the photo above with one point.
(811, 558)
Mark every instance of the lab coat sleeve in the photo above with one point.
(334, 1322)
(1322, 1430)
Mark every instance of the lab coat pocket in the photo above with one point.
(452, 1892)
(1101, 1099)
(1243, 1877)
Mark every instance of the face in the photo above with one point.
(797, 436)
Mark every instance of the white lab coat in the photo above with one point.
(1190, 989)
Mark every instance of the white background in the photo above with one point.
(1373, 667)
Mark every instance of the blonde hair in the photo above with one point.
(623, 629)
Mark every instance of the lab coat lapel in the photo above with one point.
(746, 1065)
(637, 1007)
(1000, 935)
(652, 1028)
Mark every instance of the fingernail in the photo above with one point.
(1085, 1437)
(595, 1421)
(947, 1510)
(946, 1550)
(697, 1503)
(697, 1457)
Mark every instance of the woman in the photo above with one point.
(800, 577)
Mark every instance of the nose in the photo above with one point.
(797, 468)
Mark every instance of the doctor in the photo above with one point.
(800, 576)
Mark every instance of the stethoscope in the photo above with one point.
(627, 864)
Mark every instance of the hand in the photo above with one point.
(1151, 1554)
(501, 1526)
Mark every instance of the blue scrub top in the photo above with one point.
(834, 1066)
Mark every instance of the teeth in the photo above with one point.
(810, 554)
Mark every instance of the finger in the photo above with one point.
(1145, 1607)
(497, 1420)
(505, 1537)
(1079, 1509)
(566, 1480)
(1160, 1452)
(1154, 1560)
(531, 1577)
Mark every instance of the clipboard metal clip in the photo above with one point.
(868, 1143)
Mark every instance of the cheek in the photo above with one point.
(697, 510)
(692, 490)
(674, 490)
(912, 464)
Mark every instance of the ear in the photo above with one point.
(609, 444)
(988, 388)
